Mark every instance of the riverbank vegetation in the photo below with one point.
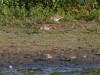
(25, 17)
(28, 35)
(26, 13)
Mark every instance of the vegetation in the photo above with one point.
(23, 16)
(20, 12)
(19, 19)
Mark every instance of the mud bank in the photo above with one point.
(27, 55)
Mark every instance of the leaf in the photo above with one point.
(1, 1)
(54, 0)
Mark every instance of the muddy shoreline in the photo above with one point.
(26, 55)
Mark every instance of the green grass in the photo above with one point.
(64, 36)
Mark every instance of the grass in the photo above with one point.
(65, 35)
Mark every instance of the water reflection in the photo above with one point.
(51, 71)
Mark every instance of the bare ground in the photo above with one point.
(69, 44)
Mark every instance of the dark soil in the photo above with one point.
(26, 55)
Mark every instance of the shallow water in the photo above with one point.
(30, 70)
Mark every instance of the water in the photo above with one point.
(31, 70)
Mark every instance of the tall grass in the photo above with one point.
(6, 5)
(13, 12)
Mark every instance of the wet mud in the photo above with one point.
(26, 55)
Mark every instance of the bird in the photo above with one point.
(10, 66)
(73, 57)
(45, 27)
(98, 53)
(48, 56)
(56, 18)
(84, 56)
